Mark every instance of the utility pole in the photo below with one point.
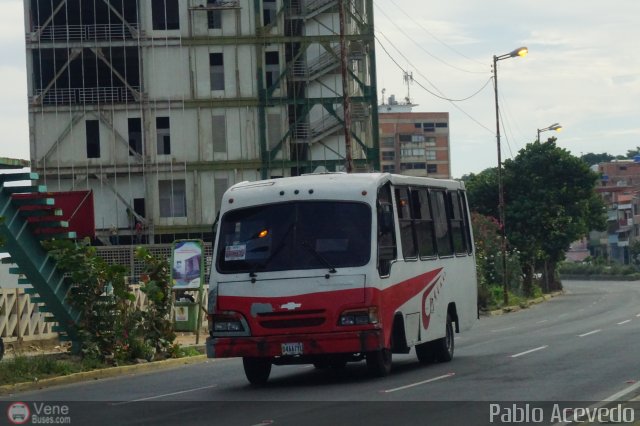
(345, 87)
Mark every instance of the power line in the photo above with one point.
(421, 47)
(452, 101)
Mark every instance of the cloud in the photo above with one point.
(11, 21)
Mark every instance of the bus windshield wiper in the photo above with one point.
(326, 263)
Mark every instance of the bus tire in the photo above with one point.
(444, 347)
(425, 353)
(379, 362)
(257, 370)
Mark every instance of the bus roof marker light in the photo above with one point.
(364, 192)
(297, 191)
(311, 191)
(230, 200)
(281, 193)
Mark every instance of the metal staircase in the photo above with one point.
(27, 217)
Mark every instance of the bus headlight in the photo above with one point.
(226, 323)
(359, 316)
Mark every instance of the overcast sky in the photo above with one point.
(583, 71)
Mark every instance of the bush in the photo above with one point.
(110, 328)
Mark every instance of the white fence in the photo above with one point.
(21, 319)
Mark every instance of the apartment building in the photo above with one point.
(620, 190)
(158, 106)
(413, 143)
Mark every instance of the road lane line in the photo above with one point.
(638, 315)
(163, 395)
(446, 376)
(529, 351)
(502, 329)
(624, 322)
(589, 333)
(540, 322)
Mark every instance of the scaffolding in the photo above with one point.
(158, 107)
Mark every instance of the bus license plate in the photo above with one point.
(292, 349)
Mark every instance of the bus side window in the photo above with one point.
(409, 248)
(387, 251)
(466, 222)
(456, 222)
(423, 223)
(443, 235)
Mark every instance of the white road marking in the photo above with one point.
(163, 395)
(540, 322)
(624, 322)
(502, 329)
(529, 351)
(446, 376)
(613, 398)
(589, 333)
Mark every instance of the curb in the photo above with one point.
(516, 308)
(102, 373)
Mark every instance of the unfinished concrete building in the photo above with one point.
(158, 106)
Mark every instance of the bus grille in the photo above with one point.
(292, 322)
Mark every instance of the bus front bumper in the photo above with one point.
(296, 344)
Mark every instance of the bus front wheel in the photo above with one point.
(379, 362)
(257, 370)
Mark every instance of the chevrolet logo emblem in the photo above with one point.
(291, 306)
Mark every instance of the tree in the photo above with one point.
(592, 159)
(482, 192)
(550, 202)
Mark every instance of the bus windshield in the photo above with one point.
(295, 235)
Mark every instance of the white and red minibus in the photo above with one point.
(331, 268)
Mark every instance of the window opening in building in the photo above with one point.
(214, 17)
(135, 136)
(219, 133)
(163, 135)
(173, 198)
(165, 14)
(216, 64)
(272, 68)
(432, 168)
(388, 155)
(269, 11)
(93, 138)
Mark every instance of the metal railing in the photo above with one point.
(86, 32)
(86, 95)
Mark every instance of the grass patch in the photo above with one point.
(22, 368)
(33, 368)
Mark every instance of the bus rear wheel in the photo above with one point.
(379, 362)
(257, 370)
(444, 347)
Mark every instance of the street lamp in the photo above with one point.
(556, 126)
(522, 51)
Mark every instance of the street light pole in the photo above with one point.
(522, 51)
(556, 126)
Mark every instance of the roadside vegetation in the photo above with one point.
(112, 331)
(550, 201)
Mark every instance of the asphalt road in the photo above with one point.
(577, 349)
